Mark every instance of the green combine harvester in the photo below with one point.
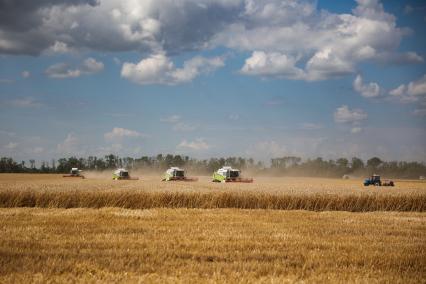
(177, 174)
(228, 174)
(122, 174)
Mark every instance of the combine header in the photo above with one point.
(122, 174)
(74, 173)
(228, 174)
(177, 174)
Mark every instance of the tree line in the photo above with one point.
(284, 166)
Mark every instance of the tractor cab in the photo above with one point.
(74, 171)
(121, 174)
(373, 180)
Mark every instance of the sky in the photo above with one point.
(213, 78)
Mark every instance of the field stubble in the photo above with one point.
(210, 245)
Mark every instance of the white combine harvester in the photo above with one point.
(74, 173)
(228, 174)
(177, 174)
(122, 174)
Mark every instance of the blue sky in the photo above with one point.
(209, 78)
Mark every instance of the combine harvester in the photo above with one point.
(228, 174)
(122, 174)
(376, 181)
(74, 173)
(177, 174)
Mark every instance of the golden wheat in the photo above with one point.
(53, 191)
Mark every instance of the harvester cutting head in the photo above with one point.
(75, 172)
(228, 174)
(177, 174)
(122, 174)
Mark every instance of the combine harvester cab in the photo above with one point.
(376, 181)
(75, 173)
(228, 174)
(122, 174)
(177, 174)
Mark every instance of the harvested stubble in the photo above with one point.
(145, 200)
(210, 246)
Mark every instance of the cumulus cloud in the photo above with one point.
(368, 90)
(295, 37)
(345, 115)
(118, 133)
(271, 64)
(63, 70)
(196, 145)
(158, 69)
(413, 91)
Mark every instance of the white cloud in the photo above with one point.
(11, 145)
(196, 145)
(345, 115)
(234, 116)
(292, 32)
(311, 126)
(70, 146)
(63, 70)
(399, 91)
(410, 92)
(117, 133)
(269, 149)
(271, 64)
(158, 69)
(171, 119)
(181, 126)
(355, 130)
(58, 47)
(37, 150)
(420, 112)
(25, 74)
(27, 102)
(368, 90)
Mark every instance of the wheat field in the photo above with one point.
(56, 229)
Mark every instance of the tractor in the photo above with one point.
(228, 174)
(122, 174)
(75, 173)
(177, 174)
(376, 181)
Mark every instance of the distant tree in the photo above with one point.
(374, 162)
(356, 164)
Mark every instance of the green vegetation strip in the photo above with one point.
(145, 200)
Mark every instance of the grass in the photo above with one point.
(210, 245)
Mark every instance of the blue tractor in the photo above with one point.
(376, 181)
